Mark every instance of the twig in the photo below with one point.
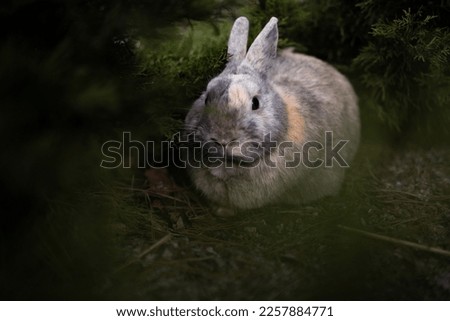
(392, 191)
(163, 240)
(404, 201)
(397, 241)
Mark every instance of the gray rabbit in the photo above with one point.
(265, 127)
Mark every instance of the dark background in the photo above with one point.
(74, 74)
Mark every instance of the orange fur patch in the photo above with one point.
(296, 122)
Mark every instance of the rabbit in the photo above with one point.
(286, 101)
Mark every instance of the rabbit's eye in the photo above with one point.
(255, 103)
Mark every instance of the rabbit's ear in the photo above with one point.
(264, 48)
(237, 44)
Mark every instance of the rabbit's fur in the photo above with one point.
(299, 99)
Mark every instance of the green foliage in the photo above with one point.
(328, 29)
(405, 65)
(183, 66)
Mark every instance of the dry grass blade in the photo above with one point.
(162, 241)
(397, 241)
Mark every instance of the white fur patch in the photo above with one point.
(237, 96)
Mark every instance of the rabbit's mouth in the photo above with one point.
(231, 155)
(213, 160)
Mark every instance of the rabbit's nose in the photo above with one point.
(223, 141)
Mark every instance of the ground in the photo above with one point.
(386, 236)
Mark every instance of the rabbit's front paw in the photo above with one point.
(224, 212)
